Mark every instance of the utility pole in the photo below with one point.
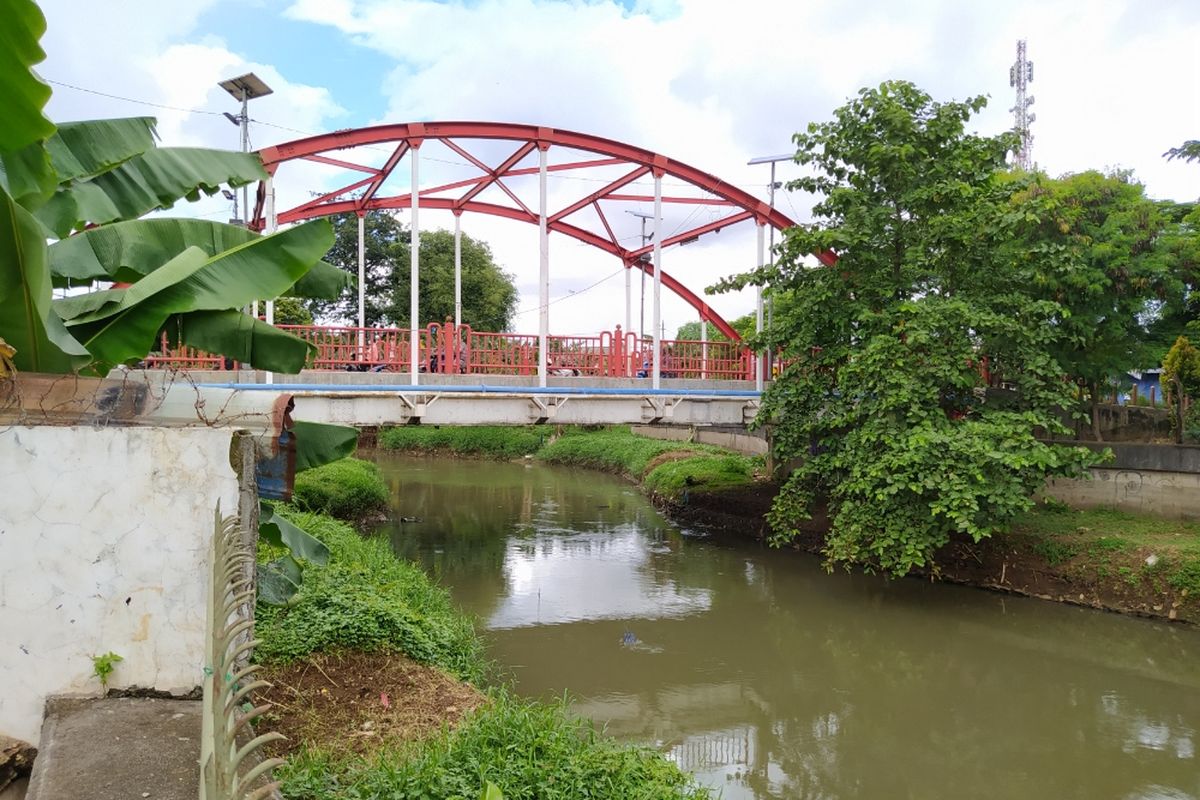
(244, 88)
(643, 258)
(1020, 75)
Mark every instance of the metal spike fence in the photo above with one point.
(229, 680)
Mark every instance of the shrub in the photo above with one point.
(349, 489)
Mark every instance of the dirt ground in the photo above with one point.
(361, 701)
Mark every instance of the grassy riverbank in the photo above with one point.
(1099, 557)
(673, 472)
(382, 687)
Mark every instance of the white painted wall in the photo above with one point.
(104, 540)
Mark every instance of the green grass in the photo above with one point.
(705, 469)
(528, 749)
(1101, 536)
(367, 599)
(350, 489)
(489, 441)
(702, 473)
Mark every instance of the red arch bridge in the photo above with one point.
(502, 170)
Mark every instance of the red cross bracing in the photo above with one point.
(495, 160)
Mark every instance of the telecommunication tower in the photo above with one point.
(1020, 75)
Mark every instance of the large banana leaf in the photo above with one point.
(318, 443)
(241, 337)
(27, 176)
(91, 147)
(153, 180)
(127, 251)
(126, 326)
(22, 95)
(76, 150)
(27, 320)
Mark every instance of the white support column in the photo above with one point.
(543, 272)
(272, 225)
(657, 281)
(362, 282)
(703, 348)
(414, 275)
(628, 298)
(758, 307)
(457, 270)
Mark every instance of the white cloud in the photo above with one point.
(703, 81)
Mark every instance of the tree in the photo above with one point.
(1188, 151)
(1094, 245)
(690, 331)
(489, 296)
(384, 239)
(885, 401)
(292, 311)
(1181, 385)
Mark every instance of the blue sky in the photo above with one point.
(706, 82)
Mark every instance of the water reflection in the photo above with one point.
(772, 679)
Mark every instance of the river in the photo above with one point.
(768, 677)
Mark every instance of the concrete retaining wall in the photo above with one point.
(737, 440)
(104, 540)
(1165, 494)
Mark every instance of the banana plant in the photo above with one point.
(95, 179)
(279, 580)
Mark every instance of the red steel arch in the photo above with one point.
(404, 138)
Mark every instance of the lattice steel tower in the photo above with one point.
(1020, 75)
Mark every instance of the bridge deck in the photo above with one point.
(377, 399)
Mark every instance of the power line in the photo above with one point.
(132, 100)
(570, 295)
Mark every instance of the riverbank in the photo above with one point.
(382, 687)
(1102, 559)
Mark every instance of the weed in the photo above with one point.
(367, 599)
(103, 666)
(528, 749)
(1055, 550)
(349, 489)
(1186, 576)
(1129, 576)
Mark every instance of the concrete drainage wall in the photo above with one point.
(104, 539)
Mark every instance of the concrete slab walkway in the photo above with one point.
(118, 748)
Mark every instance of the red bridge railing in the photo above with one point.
(442, 348)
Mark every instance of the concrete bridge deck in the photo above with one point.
(363, 398)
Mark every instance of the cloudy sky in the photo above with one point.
(707, 82)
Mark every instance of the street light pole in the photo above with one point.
(771, 187)
(245, 88)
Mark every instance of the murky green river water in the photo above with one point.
(769, 678)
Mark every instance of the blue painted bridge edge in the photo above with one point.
(352, 388)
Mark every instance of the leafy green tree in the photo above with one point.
(1094, 245)
(384, 239)
(885, 403)
(1181, 384)
(744, 325)
(292, 311)
(489, 296)
(1188, 151)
